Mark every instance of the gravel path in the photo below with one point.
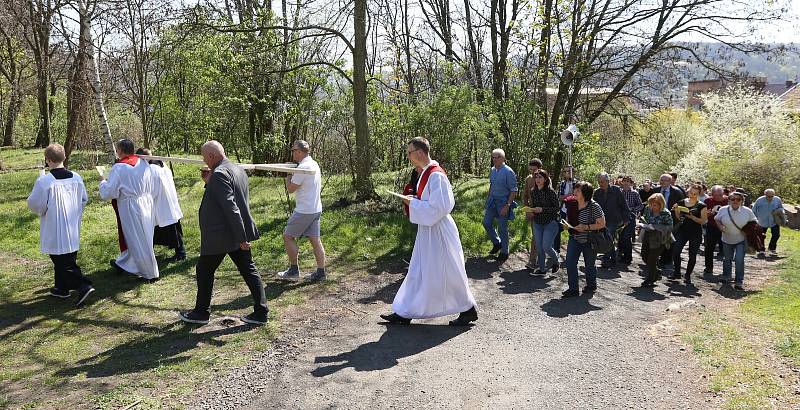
(529, 349)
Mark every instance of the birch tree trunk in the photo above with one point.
(97, 90)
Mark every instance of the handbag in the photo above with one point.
(601, 240)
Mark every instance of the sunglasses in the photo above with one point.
(736, 199)
(495, 156)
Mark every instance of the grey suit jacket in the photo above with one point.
(225, 219)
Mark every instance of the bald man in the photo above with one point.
(226, 228)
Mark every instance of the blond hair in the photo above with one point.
(657, 199)
(55, 153)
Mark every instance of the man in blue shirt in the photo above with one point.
(768, 209)
(500, 203)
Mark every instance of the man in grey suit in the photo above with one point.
(226, 228)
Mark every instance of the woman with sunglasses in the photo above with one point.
(731, 219)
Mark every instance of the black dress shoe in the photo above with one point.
(176, 258)
(496, 248)
(589, 289)
(465, 318)
(648, 284)
(502, 257)
(395, 318)
(570, 293)
(117, 268)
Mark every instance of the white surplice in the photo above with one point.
(134, 188)
(436, 283)
(60, 204)
(167, 209)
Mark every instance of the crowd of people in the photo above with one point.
(667, 216)
(603, 220)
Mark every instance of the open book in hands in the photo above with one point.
(401, 196)
(525, 209)
(566, 224)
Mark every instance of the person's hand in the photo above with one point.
(581, 228)
(245, 246)
(504, 210)
(537, 210)
(407, 199)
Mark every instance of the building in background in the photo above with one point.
(788, 91)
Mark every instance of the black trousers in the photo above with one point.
(208, 264)
(651, 257)
(713, 238)
(775, 232)
(694, 247)
(68, 274)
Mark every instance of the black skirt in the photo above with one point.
(170, 236)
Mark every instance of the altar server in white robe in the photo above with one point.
(59, 199)
(168, 231)
(134, 185)
(436, 284)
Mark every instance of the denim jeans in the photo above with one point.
(544, 234)
(574, 251)
(626, 239)
(611, 256)
(501, 235)
(694, 247)
(733, 251)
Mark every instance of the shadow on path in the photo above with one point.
(166, 346)
(646, 294)
(570, 306)
(520, 281)
(394, 344)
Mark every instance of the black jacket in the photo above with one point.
(225, 219)
(613, 203)
(675, 195)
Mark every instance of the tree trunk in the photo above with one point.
(97, 90)
(43, 97)
(78, 92)
(543, 63)
(363, 182)
(473, 52)
(14, 105)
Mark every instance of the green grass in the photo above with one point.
(778, 306)
(126, 344)
(735, 346)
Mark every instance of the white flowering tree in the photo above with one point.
(751, 142)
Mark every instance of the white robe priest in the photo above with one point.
(436, 283)
(134, 188)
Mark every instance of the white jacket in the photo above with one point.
(167, 209)
(60, 204)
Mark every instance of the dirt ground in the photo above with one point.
(531, 349)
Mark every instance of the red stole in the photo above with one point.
(423, 181)
(131, 160)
